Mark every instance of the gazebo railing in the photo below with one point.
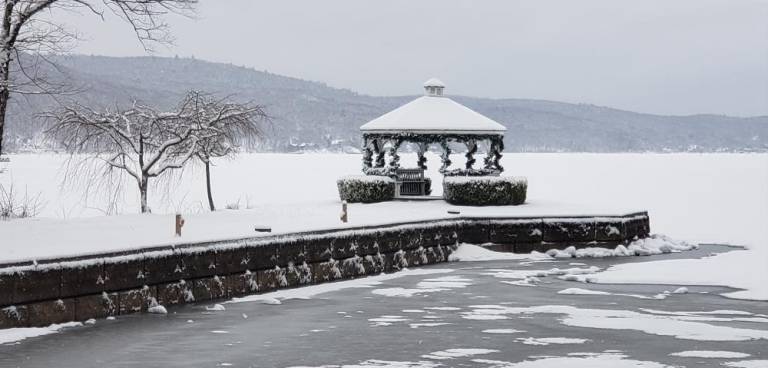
(410, 182)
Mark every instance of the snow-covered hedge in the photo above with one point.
(366, 188)
(485, 190)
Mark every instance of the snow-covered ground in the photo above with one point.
(697, 197)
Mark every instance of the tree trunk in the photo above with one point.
(208, 185)
(4, 95)
(8, 40)
(143, 193)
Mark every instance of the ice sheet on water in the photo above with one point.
(457, 353)
(759, 363)
(550, 340)
(502, 331)
(215, 307)
(426, 286)
(11, 335)
(710, 354)
(374, 363)
(428, 324)
(596, 360)
(578, 291)
(443, 308)
(386, 320)
(665, 325)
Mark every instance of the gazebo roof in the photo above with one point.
(433, 114)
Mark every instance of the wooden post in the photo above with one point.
(344, 211)
(179, 224)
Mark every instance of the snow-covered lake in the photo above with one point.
(719, 198)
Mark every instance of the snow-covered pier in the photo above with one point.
(37, 293)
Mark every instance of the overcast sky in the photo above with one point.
(665, 57)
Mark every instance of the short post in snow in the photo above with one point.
(179, 224)
(344, 211)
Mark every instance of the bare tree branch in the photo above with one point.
(29, 32)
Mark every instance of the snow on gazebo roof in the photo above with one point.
(433, 114)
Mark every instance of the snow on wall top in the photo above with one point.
(433, 113)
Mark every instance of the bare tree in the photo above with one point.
(222, 128)
(138, 141)
(29, 33)
(145, 144)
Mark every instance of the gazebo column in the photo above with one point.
(499, 150)
(470, 155)
(394, 162)
(422, 159)
(446, 155)
(367, 154)
(488, 160)
(494, 154)
(378, 150)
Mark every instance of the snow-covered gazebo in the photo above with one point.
(431, 119)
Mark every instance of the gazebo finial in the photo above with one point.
(434, 87)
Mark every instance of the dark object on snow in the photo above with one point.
(484, 190)
(179, 224)
(366, 188)
(454, 212)
(262, 229)
(344, 212)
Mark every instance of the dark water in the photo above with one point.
(336, 328)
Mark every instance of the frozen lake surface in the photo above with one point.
(448, 315)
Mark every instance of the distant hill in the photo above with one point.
(310, 116)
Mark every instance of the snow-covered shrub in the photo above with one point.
(366, 188)
(484, 190)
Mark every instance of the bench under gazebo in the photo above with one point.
(430, 119)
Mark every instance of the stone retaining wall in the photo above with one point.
(39, 293)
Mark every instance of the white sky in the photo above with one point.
(658, 56)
